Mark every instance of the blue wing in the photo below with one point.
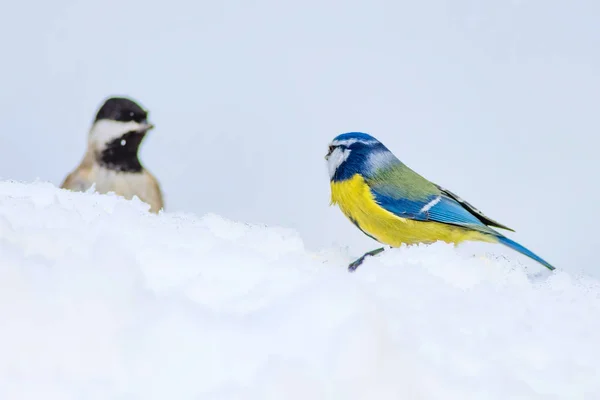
(403, 192)
(436, 207)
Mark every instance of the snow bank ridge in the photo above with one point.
(102, 300)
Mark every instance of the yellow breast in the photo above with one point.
(356, 201)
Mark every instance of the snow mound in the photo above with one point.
(102, 300)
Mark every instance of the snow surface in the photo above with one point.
(102, 300)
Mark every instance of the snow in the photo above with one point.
(102, 300)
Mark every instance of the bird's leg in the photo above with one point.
(355, 264)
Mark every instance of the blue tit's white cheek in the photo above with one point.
(336, 158)
(105, 131)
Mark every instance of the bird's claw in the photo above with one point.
(355, 264)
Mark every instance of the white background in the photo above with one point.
(497, 102)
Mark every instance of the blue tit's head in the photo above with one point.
(356, 153)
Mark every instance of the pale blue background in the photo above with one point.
(498, 101)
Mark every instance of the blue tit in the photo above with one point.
(394, 205)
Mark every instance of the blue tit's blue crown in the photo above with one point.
(364, 155)
(359, 136)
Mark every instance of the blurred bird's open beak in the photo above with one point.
(145, 127)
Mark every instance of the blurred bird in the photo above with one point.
(392, 204)
(111, 161)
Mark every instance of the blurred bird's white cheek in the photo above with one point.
(336, 158)
(104, 131)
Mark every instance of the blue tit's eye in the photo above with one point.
(331, 148)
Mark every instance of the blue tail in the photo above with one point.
(517, 247)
